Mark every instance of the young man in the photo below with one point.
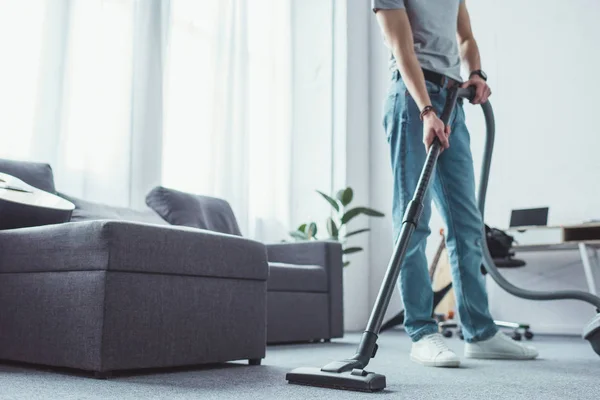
(429, 40)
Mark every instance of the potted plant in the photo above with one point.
(337, 223)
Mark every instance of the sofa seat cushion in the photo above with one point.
(296, 278)
(131, 247)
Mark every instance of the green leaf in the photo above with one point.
(372, 213)
(332, 228)
(331, 200)
(353, 212)
(350, 250)
(302, 228)
(345, 196)
(346, 263)
(312, 230)
(298, 235)
(357, 232)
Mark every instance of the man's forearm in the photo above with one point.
(469, 53)
(412, 75)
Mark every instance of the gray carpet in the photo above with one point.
(567, 369)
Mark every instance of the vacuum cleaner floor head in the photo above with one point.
(357, 380)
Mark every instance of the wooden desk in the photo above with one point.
(582, 237)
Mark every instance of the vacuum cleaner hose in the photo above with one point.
(488, 261)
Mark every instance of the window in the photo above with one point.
(227, 94)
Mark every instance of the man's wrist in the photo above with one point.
(478, 73)
(427, 111)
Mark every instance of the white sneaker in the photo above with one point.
(500, 346)
(432, 351)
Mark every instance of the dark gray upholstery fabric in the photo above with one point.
(324, 253)
(38, 175)
(88, 210)
(73, 246)
(109, 295)
(52, 318)
(297, 317)
(162, 321)
(196, 211)
(296, 278)
(103, 321)
(129, 246)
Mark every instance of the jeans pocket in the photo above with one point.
(432, 88)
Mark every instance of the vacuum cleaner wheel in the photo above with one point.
(357, 380)
(592, 333)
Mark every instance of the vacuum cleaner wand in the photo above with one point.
(350, 374)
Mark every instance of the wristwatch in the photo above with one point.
(479, 73)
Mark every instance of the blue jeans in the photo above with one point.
(453, 189)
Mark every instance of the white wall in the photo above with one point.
(541, 58)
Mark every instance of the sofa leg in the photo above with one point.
(254, 361)
(102, 375)
(326, 340)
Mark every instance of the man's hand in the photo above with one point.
(482, 90)
(434, 127)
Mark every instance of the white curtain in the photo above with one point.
(21, 32)
(227, 107)
(122, 95)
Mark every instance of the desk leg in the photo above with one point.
(587, 268)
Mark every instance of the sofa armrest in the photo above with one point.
(327, 254)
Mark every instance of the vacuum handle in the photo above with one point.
(453, 95)
(445, 117)
(449, 106)
(467, 93)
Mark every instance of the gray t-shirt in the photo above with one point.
(433, 24)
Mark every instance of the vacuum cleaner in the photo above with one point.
(350, 374)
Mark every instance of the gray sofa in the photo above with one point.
(118, 289)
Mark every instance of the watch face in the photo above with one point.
(483, 75)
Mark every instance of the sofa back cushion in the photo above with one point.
(87, 210)
(196, 211)
(38, 175)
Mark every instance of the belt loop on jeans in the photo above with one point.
(443, 81)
